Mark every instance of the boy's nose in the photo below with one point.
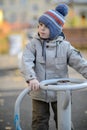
(43, 27)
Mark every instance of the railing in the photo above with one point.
(63, 87)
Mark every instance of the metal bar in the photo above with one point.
(17, 108)
(64, 115)
(63, 87)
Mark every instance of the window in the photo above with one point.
(1, 2)
(23, 17)
(22, 2)
(13, 17)
(35, 7)
(11, 2)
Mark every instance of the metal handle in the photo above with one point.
(77, 84)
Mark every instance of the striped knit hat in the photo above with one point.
(55, 19)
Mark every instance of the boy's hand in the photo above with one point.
(34, 84)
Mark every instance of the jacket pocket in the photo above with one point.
(61, 63)
(40, 60)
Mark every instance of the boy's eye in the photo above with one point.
(46, 26)
(41, 24)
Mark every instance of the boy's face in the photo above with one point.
(43, 31)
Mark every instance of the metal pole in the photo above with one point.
(64, 114)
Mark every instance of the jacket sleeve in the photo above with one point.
(76, 61)
(28, 59)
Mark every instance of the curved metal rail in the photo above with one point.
(52, 84)
(60, 84)
(17, 108)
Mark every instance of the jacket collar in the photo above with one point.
(60, 38)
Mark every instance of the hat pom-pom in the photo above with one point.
(62, 9)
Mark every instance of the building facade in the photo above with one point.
(26, 11)
(22, 11)
(79, 6)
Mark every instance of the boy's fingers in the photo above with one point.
(34, 86)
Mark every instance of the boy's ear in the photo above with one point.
(38, 25)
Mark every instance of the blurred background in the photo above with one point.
(18, 21)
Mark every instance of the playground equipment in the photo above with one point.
(63, 87)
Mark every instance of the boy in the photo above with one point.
(47, 56)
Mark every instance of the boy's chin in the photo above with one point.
(44, 37)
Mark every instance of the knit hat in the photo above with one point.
(55, 19)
